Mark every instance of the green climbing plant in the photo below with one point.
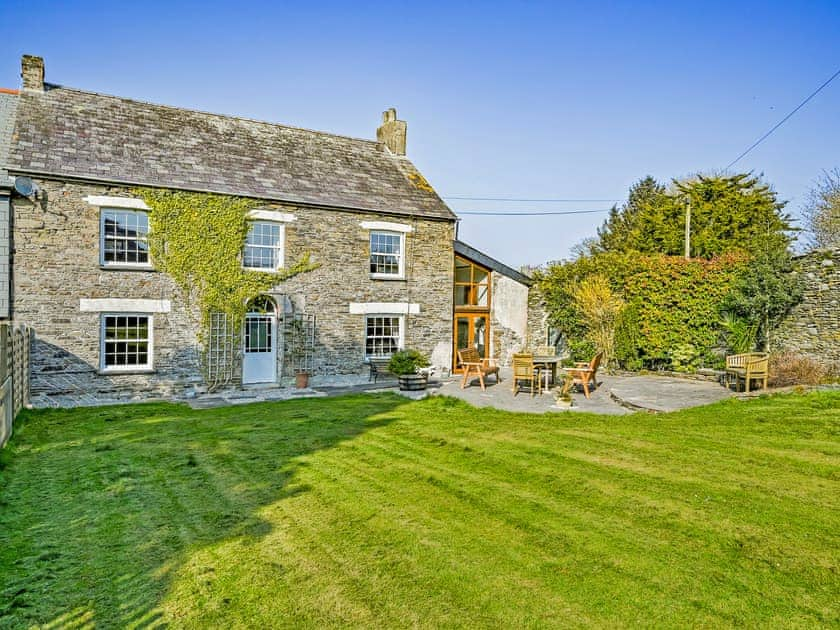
(198, 238)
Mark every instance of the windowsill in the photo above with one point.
(385, 276)
(126, 372)
(126, 267)
(263, 269)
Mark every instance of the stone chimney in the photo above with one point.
(392, 132)
(32, 73)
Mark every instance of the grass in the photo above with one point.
(374, 511)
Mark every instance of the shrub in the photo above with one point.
(628, 345)
(789, 368)
(407, 362)
(600, 309)
(684, 357)
(740, 334)
(580, 350)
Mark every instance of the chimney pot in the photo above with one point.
(392, 132)
(32, 73)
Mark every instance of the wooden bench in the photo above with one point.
(749, 366)
(379, 367)
(476, 366)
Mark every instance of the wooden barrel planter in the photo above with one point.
(412, 382)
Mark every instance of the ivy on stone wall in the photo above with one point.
(198, 238)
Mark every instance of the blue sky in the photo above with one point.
(525, 100)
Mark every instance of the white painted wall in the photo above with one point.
(510, 305)
(508, 318)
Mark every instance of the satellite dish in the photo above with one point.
(26, 187)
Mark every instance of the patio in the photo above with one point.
(615, 395)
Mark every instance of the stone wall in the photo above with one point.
(813, 327)
(537, 318)
(56, 263)
(8, 107)
(4, 252)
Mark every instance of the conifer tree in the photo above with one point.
(728, 212)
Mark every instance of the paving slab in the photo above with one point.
(663, 394)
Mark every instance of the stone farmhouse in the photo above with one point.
(75, 261)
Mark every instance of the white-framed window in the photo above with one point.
(383, 335)
(124, 238)
(126, 342)
(264, 246)
(387, 254)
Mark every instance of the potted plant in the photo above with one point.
(563, 400)
(564, 396)
(404, 364)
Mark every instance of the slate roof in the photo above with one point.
(71, 133)
(8, 105)
(467, 251)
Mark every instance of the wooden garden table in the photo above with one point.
(550, 363)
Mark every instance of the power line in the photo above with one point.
(784, 120)
(531, 214)
(527, 200)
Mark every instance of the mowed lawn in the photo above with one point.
(378, 512)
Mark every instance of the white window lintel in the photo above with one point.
(272, 215)
(384, 308)
(116, 202)
(123, 305)
(387, 226)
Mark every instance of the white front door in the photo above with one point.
(259, 364)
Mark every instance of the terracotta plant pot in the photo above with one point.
(302, 380)
(412, 382)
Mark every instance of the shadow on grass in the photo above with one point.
(99, 508)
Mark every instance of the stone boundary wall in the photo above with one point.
(813, 327)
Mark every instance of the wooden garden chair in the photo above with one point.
(474, 366)
(582, 374)
(525, 370)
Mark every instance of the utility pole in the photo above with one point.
(688, 229)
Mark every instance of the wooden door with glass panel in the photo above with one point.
(471, 331)
(472, 309)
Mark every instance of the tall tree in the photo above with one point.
(636, 226)
(822, 211)
(728, 212)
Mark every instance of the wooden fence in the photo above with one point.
(15, 341)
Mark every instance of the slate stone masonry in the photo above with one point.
(813, 327)
(56, 263)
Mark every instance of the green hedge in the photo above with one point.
(673, 313)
